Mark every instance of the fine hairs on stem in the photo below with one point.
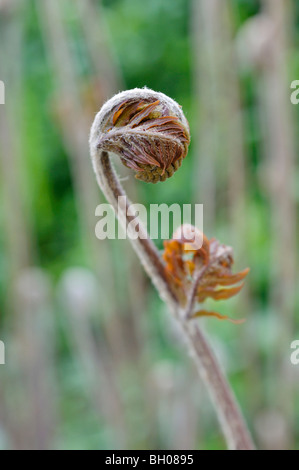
(149, 132)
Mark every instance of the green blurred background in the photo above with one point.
(93, 359)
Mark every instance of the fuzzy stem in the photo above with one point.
(192, 295)
(229, 414)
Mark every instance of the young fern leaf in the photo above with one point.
(149, 133)
(213, 260)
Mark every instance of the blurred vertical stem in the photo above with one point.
(18, 232)
(97, 41)
(208, 91)
(229, 414)
(280, 150)
(34, 353)
(74, 122)
(78, 290)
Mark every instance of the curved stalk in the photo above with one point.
(228, 411)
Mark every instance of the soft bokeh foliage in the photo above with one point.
(92, 360)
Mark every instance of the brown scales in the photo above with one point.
(218, 282)
(149, 142)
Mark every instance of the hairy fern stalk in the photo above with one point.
(150, 134)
